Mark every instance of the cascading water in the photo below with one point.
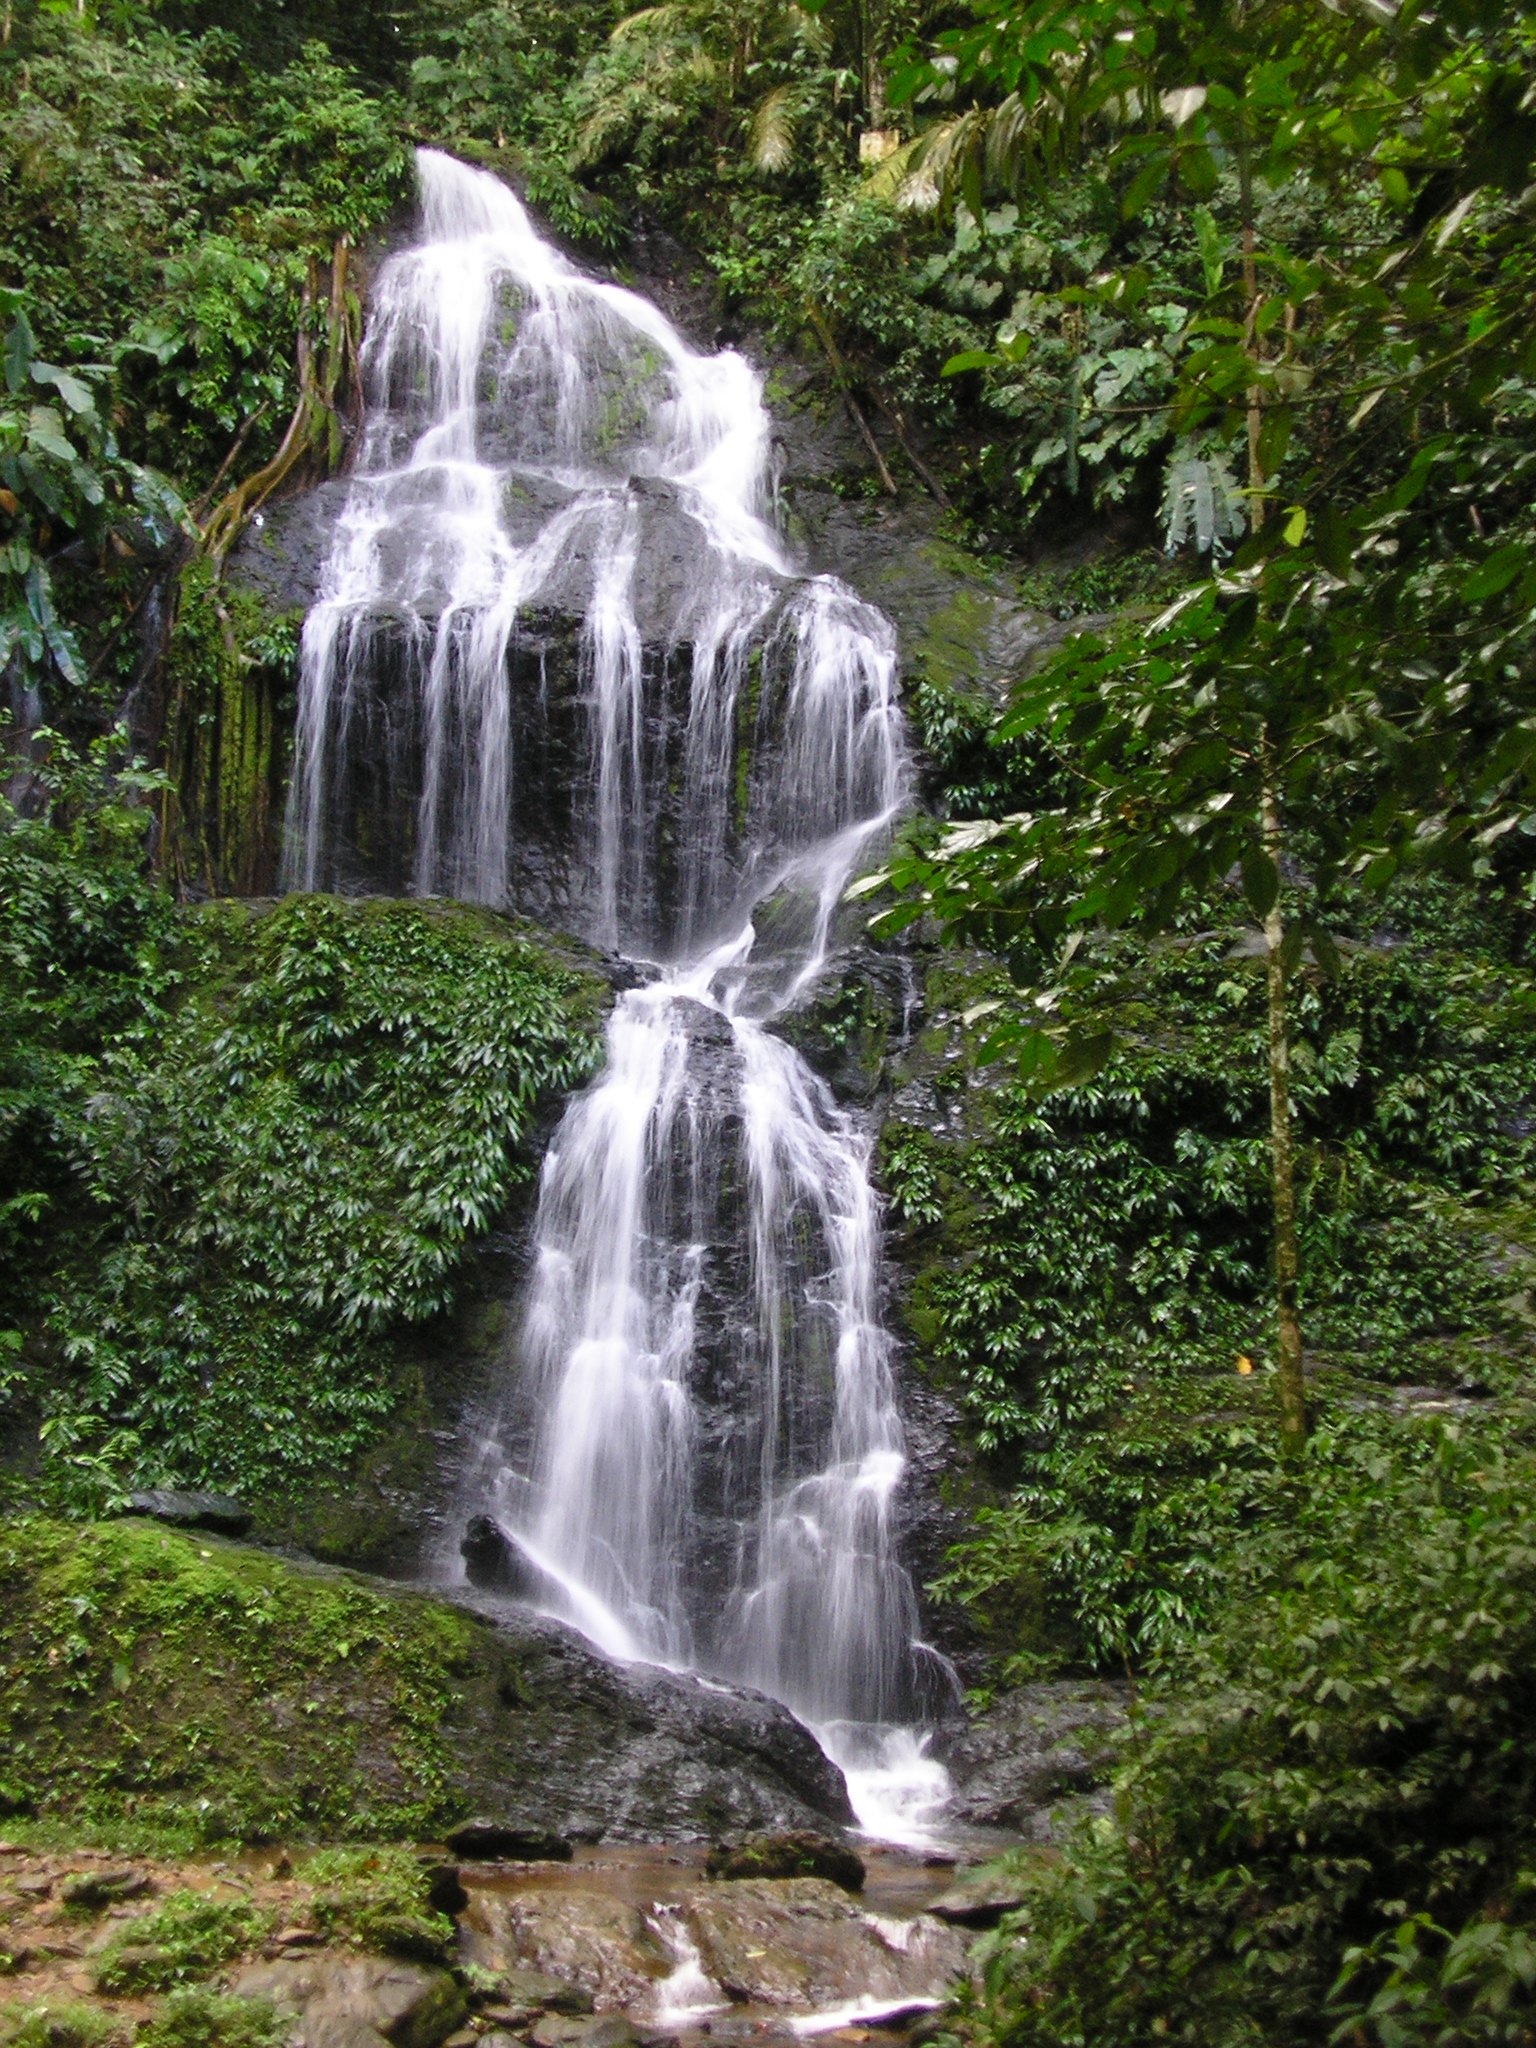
(697, 1460)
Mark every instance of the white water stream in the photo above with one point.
(698, 1458)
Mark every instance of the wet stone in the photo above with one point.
(496, 1840)
(342, 2000)
(795, 1853)
(604, 2030)
(802, 1943)
(1037, 1746)
(599, 1945)
(98, 1888)
(217, 1512)
(980, 1900)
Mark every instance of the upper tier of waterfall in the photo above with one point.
(533, 436)
(697, 1457)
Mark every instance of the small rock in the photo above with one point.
(216, 1511)
(796, 1853)
(445, 1889)
(500, 2040)
(333, 2029)
(33, 1886)
(407, 2005)
(549, 2030)
(534, 1991)
(298, 1937)
(497, 1840)
(103, 1887)
(979, 1900)
(466, 2037)
(606, 2030)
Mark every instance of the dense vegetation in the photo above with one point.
(242, 1145)
(1243, 877)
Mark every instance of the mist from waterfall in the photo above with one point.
(697, 1459)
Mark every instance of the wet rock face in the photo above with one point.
(1035, 1748)
(558, 1740)
(357, 2001)
(600, 1944)
(797, 1944)
(800, 1942)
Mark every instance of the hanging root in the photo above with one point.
(316, 435)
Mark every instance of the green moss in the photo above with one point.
(227, 667)
(161, 1692)
(953, 649)
(197, 2016)
(377, 1899)
(182, 1941)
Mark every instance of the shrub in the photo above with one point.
(377, 1898)
(185, 1939)
(1343, 1766)
(196, 2016)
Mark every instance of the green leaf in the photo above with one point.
(1147, 182)
(1497, 573)
(970, 359)
(1081, 1057)
(18, 351)
(1274, 438)
(77, 396)
(1261, 882)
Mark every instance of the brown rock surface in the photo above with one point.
(801, 1942)
(336, 1995)
(598, 1943)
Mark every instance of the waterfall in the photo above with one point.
(697, 1458)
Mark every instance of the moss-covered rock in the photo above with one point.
(160, 1689)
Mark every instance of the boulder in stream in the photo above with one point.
(802, 1943)
(1036, 1747)
(796, 1853)
(599, 1945)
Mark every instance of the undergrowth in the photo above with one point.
(245, 1146)
(160, 1696)
(1089, 1269)
(1326, 1803)
(181, 1942)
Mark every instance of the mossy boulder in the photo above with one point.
(160, 1688)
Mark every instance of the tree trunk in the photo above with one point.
(1293, 1387)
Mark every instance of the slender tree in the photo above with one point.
(1358, 685)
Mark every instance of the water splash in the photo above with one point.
(698, 1458)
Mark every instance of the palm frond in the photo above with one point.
(771, 139)
(650, 21)
(811, 29)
